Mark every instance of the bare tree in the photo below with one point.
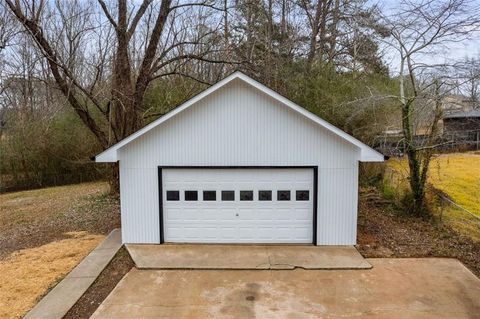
(104, 55)
(317, 13)
(472, 75)
(339, 33)
(422, 29)
(7, 29)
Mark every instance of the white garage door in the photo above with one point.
(238, 205)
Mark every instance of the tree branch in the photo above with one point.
(107, 14)
(137, 17)
(32, 27)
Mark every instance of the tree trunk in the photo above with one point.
(334, 32)
(226, 35)
(124, 115)
(417, 184)
(315, 25)
(114, 180)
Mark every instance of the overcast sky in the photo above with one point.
(451, 53)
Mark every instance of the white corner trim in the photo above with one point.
(368, 154)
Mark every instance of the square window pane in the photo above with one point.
(246, 195)
(191, 195)
(173, 195)
(303, 195)
(283, 195)
(209, 195)
(264, 195)
(228, 195)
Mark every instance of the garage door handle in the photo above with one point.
(236, 215)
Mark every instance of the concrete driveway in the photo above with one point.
(245, 257)
(394, 288)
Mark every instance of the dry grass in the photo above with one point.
(33, 218)
(458, 176)
(26, 207)
(44, 234)
(27, 274)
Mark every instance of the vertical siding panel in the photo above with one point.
(337, 213)
(139, 206)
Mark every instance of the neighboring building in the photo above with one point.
(456, 103)
(239, 163)
(463, 128)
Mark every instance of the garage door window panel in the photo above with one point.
(264, 195)
(209, 195)
(302, 195)
(191, 195)
(228, 195)
(283, 195)
(246, 195)
(173, 195)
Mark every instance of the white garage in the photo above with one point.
(239, 163)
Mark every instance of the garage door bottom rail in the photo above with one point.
(185, 256)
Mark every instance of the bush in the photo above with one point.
(371, 174)
(38, 152)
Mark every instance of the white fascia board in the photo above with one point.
(378, 157)
(107, 157)
(367, 154)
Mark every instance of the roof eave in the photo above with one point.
(107, 156)
(370, 155)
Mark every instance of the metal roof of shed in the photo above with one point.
(472, 113)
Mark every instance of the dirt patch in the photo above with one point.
(120, 265)
(26, 275)
(35, 218)
(383, 232)
(44, 233)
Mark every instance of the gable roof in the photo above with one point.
(367, 154)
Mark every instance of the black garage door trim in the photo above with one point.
(315, 190)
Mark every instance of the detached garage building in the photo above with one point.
(239, 163)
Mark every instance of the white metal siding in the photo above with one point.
(139, 205)
(337, 206)
(239, 126)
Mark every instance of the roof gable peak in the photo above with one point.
(367, 153)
